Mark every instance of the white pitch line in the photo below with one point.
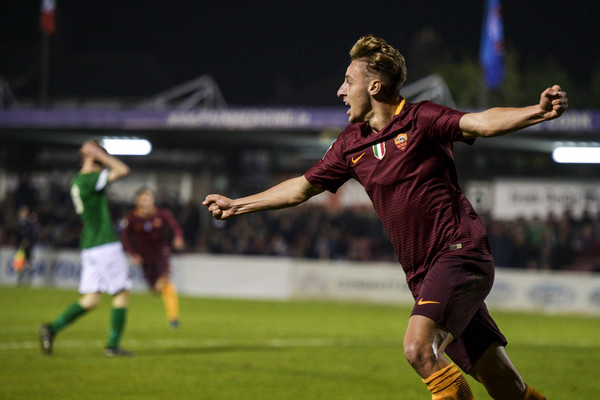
(206, 343)
(267, 343)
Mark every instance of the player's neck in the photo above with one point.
(382, 114)
(89, 165)
(145, 211)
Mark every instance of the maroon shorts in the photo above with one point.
(156, 267)
(452, 294)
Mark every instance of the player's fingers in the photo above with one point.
(209, 199)
(561, 101)
(549, 93)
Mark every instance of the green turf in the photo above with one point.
(233, 349)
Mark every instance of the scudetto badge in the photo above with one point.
(379, 150)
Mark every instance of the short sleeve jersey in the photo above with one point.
(149, 235)
(408, 171)
(88, 192)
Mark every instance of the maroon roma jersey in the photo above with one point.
(408, 171)
(148, 236)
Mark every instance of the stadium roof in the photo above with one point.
(193, 117)
(41, 125)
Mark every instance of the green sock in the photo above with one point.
(69, 315)
(117, 325)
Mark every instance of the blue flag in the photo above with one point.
(491, 52)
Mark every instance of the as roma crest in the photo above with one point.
(379, 150)
(401, 141)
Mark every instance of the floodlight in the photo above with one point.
(580, 155)
(127, 147)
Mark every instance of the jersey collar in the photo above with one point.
(400, 106)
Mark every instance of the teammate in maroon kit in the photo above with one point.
(402, 154)
(145, 239)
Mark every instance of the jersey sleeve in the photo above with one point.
(444, 122)
(126, 235)
(102, 181)
(172, 222)
(331, 171)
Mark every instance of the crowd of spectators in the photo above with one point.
(556, 242)
(303, 232)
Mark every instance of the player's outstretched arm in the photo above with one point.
(286, 194)
(502, 120)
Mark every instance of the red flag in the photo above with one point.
(48, 17)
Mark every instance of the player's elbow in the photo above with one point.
(306, 192)
(124, 170)
(293, 199)
(477, 125)
(119, 172)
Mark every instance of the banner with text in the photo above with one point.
(516, 198)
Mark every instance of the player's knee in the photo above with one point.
(417, 351)
(90, 301)
(121, 299)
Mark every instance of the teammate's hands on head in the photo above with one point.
(219, 206)
(553, 102)
(90, 149)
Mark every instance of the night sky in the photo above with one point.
(267, 52)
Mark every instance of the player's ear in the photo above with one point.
(374, 87)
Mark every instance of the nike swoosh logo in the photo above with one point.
(355, 160)
(421, 302)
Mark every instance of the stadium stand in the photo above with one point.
(558, 242)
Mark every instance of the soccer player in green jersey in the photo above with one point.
(104, 267)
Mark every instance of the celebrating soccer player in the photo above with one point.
(402, 153)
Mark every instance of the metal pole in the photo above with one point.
(44, 69)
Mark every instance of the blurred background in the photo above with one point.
(236, 96)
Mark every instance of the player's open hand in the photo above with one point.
(553, 102)
(219, 206)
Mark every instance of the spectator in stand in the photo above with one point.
(26, 232)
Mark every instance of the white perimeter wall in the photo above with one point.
(287, 279)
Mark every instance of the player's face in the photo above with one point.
(355, 93)
(145, 201)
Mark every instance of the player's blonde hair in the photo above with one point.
(382, 60)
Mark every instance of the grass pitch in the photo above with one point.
(234, 349)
